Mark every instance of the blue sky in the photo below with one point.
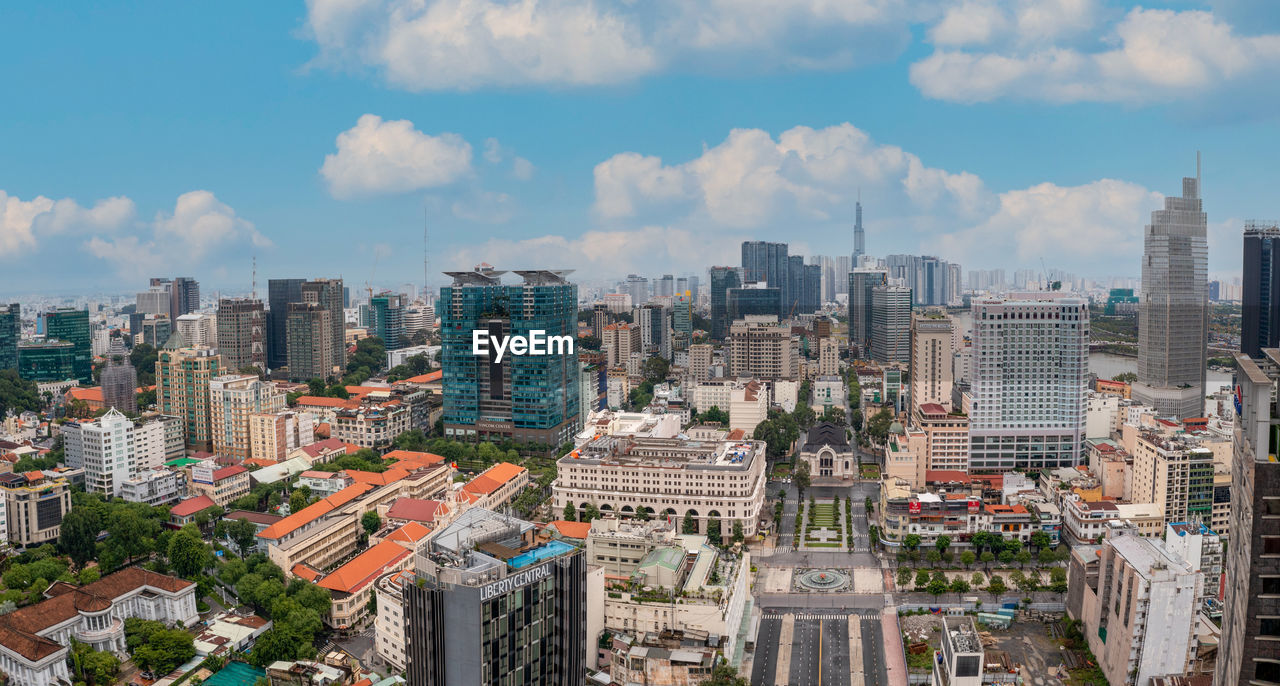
(611, 137)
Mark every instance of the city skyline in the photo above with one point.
(254, 153)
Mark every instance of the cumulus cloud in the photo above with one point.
(377, 157)
(751, 179)
(605, 254)
(24, 223)
(466, 44)
(1149, 55)
(199, 228)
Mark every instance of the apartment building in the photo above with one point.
(372, 425)
(1175, 474)
(182, 388)
(931, 360)
(760, 347)
(112, 449)
(221, 484)
(722, 480)
(274, 435)
(35, 504)
(351, 585)
(233, 399)
(700, 355)
(828, 357)
(946, 436)
(389, 625)
(155, 487)
(496, 486)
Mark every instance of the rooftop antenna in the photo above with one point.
(253, 287)
(426, 259)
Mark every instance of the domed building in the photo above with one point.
(828, 452)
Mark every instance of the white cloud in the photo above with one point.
(1149, 55)
(24, 223)
(1068, 225)
(496, 153)
(199, 228)
(467, 44)
(484, 207)
(377, 156)
(605, 254)
(751, 179)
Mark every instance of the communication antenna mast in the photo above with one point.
(253, 284)
(426, 258)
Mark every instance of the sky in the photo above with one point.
(613, 136)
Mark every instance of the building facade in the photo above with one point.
(72, 325)
(1260, 294)
(760, 347)
(182, 389)
(931, 360)
(233, 399)
(112, 449)
(242, 333)
(722, 280)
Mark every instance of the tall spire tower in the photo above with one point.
(859, 238)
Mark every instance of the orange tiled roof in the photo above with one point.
(414, 456)
(378, 478)
(362, 569)
(429, 377)
(303, 571)
(322, 430)
(409, 534)
(314, 511)
(90, 394)
(320, 401)
(481, 485)
(259, 462)
(570, 529)
(191, 506)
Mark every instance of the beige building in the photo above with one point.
(182, 389)
(828, 357)
(222, 485)
(946, 437)
(273, 436)
(905, 455)
(620, 340)
(760, 347)
(931, 360)
(34, 507)
(700, 362)
(1175, 475)
(233, 399)
(722, 480)
(748, 406)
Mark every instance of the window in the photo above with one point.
(1271, 545)
(1271, 585)
(1269, 626)
(1266, 671)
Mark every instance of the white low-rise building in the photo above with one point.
(154, 487)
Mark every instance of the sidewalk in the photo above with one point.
(894, 659)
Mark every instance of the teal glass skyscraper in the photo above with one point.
(386, 319)
(527, 398)
(72, 325)
(10, 333)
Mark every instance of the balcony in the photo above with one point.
(113, 632)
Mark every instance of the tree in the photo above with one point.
(878, 426)
(801, 477)
(131, 533)
(590, 512)
(980, 540)
(738, 535)
(1047, 556)
(570, 513)
(371, 522)
(244, 534)
(713, 529)
(967, 557)
(273, 646)
(724, 675)
(297, 500)
(904, 576)
(187, 552)
(644, 513)
(1006, 556)
(911, 541)
(690, 525)
(987, 558)
(17, 395)
(977, 580)
(97, 668)
(936, 587)
(655, 369)
(996, 587)
(78, 535)
(959, 586)
(1040, 540)
(1023, 557)
(1125, 377)
(934, 557)
(156, 648)
(714, 414)
(922, 579)
(942, 543)
(1058, 580)
(1029, 583)
(855, 419)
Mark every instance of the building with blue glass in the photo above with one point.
(72, 325)
(531, 397)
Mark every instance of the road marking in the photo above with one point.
(820, 654)
(868, 614)
(782, 671)
(856, 675)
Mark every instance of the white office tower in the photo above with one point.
(113, 448)
(1030, 370)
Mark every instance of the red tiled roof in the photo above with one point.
(324, 447)
(409, 534)
(570, 529)
(416, 510)
(429, 377)
(414, 456)
(322, 429)
(314, 511)
(228, 472)
(737, 435)
(191, 506)
(946, 475)
(304, 571)
(259, 462)
(316, 474)
(264, 518)
(493, 478)
(361, 570)
(932, 408)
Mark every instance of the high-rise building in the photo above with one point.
(155, 329)
(157, 299)
(1030, 372)
(599, 319)
(655, 330)
(1173, 317)
(665, 286)
(700, 361)
(638, 287)
(530, 398)
(386, 319)
(722, 280)
(72, 325)
(272, 436)
(327, 293)
(182, 388)
(859, 237)
(280, 293)
(891, 324)
(861, 283)
(619, 341)
(233, 399)
(753, 299)
(760, 347)
(764, 262)
(1260, 313)
(184, 296)
(1248, 652)
(828, 356)
(113, 448)
(46, 360)
(10, 334)
(308, 342)
(931, 360)
(197, 328)
(119, 379)
(487, 600)
(682, 320)
(242, 333)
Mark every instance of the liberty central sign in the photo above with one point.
(536, 343)
(514, 581)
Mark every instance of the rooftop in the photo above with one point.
(191, 506)
(314, 511)
(362, 569)
(667, 453)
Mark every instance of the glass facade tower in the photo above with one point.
(72, 325)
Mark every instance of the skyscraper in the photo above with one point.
(233, 398)
(891, 324)
(182, 388)
(10, 333)
(655, 330)
(72, 325)
(386, 315)
(487, 599)
(682, 320)
(1030, 370)
(752, 299)
(531, 398)
(119, 379)
(861, 283)
(722, 279)
(764, 262)
(327, 293)
(308, 342)
(1252, 600)
(184, 297)
(931, 360)
(1173, 316)
(241, 327)
(1260, 321)
(280, 292)
(859, 238)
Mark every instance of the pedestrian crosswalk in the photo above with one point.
(864, 614)
(778, 550)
